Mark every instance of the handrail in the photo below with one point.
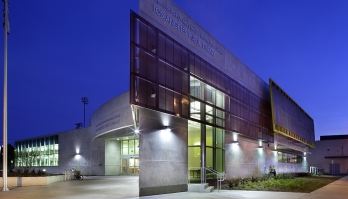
(219, 176)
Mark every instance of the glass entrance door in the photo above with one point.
(130, 166)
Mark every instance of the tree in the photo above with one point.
(26, 159)
(10, 156)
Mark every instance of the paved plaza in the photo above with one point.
(127, 187)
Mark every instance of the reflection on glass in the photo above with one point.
(195, 109)
(220, 138)
(209, 157)
(194, 133)
(42, 152)
(209, 135)
(219, 159)
(131, 147)
(194, 157)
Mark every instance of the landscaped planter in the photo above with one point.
(31, 181)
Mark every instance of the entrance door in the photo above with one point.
(130, 166)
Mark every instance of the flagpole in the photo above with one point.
(4, 162)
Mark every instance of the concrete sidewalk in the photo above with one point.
(127, 187)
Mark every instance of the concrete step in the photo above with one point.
(208, 189)
(202, 188)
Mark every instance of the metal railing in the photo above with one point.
(219, 176)
(72, 174)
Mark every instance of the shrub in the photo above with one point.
(234, 182)
(25, 171)
(41, 173)
(303, 174)
(285, 176)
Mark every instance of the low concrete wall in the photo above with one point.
(31, 181)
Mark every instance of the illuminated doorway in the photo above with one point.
(206, 148)
(130, 166)
(129, 155)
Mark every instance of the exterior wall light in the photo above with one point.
(260, 145)
(235, 137)
(235, 142)
(136, 131)
(165, 133)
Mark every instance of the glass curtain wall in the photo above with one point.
(37, 152)
(130, 146)
(289, 158)
(167, 77)
(211, 156)
(129, 155)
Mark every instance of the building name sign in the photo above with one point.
(185, 28)
(111, 121)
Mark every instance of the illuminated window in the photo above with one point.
(130, 147)
(37, 152)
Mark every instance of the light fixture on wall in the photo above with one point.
(260, 145)
(235, 137)
(165, 133)
(235, 142)
(136, 131)
(167, 128)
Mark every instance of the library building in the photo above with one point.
(194, 113)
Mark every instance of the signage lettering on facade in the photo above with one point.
(182, 25)
(108, 122)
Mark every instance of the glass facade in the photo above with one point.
(289, 158)
(130, 147)
(37, 152)
(168, 77)
(214, 142)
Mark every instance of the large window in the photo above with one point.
(215, 148)
(289, 158)
(37, 152)
(130, 146)
(194, 144)
(214, 142)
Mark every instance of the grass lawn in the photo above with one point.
(299, 184)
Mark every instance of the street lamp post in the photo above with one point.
(6, 25)
(84, 101)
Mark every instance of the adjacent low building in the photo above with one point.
(193, 110)
(330, 155)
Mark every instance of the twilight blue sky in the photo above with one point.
(60, 51)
